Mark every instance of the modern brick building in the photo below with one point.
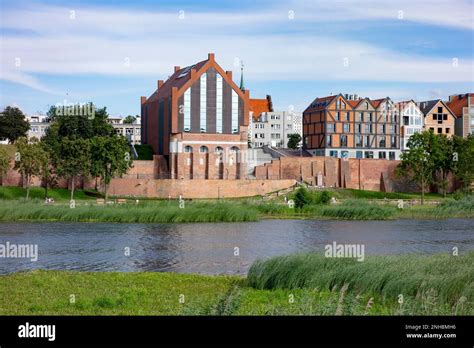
(347, 126)
(197, 123)
(438, 117)
(462, 106)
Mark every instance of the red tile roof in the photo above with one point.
(457, 104)
(257, 106)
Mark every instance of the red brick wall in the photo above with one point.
(195, 188)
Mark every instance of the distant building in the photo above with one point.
(131, 131)
(462, 106)
(438, 117)
(38, 125)
(411, 119)
(347, 126)
(256, 108)
(274, 128)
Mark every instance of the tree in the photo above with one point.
(302, 197)
(13, 124)
(110, 156)
(5, 159)
(442, 152)
(294, 140)
(74, 161)
(417, 162)
(32, 158)
(47, 174)
(463, 160)
(129, 119)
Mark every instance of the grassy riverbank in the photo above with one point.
(298, 284)
(225, 210)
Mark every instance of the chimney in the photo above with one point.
(176, 68)
(210, 56)
(159, 84)
(229, 74)
(142, 100)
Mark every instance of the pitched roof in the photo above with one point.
(458, 102)
(321, 103)
(426, 106)
(178, 79)
(257, 106)
(353, 103)
(376, 102)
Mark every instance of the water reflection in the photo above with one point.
(209, 248)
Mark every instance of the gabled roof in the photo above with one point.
(176, 80)
(376, 102)
(321, 103)
(458, 102)
(427, 106)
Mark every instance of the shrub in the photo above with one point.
(302, 197)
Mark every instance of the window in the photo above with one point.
(331, 127)
(391, 155)
(393, 141)
(358, 140)
(328, 140)
(440, 130)
(188, 149)
(447, 130)
(358, 154)
(440, 109)
(333, 153)
(367, 128)
(358, 128)
(382, 155)
(347, 117)
(203, 149)
(203, 101)
(187, 110)
(338, 104)
(359, 117)
(366, 140)
(234, 149)
(344, 154)
(347, 127)
(343, 105)
(235, 112)
(370, 117)
(382, 142)
(218, 103)
(369, 154)
(343, 141)
(338, 116)
(382, 128)
(219, 150)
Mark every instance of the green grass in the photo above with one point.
(303, 284)
(59, 194)
(365, 194)
(144, 212)
(441, 282)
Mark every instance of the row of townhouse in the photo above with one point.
(347, 126)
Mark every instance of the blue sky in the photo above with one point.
(112, 52)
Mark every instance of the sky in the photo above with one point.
(113, 52)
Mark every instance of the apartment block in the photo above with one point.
(411, 121)
(462, 106)
(132, 131)
(274, 128)
(346, 126)
(438, 117)
(197, 122)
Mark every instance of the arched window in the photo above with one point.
(234, 149)
(188, 149)
(203, 149)
(219, 149)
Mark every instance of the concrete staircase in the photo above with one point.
(256, 157)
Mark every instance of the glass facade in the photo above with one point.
(219, 83)
(203, 103)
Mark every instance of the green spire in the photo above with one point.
(242, 76)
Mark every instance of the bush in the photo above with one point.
(302, 197)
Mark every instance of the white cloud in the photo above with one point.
(103, 40)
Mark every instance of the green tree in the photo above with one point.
(13, 124)
(5, 160)
(32, 158)
(110, 156)
(74, 161)
(302, 197)
(442, 152)
(464, 160)
(129, 119)
(417, 162)
(294, 140)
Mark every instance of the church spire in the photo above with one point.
(242, 76)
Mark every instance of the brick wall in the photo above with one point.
(195, 188)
